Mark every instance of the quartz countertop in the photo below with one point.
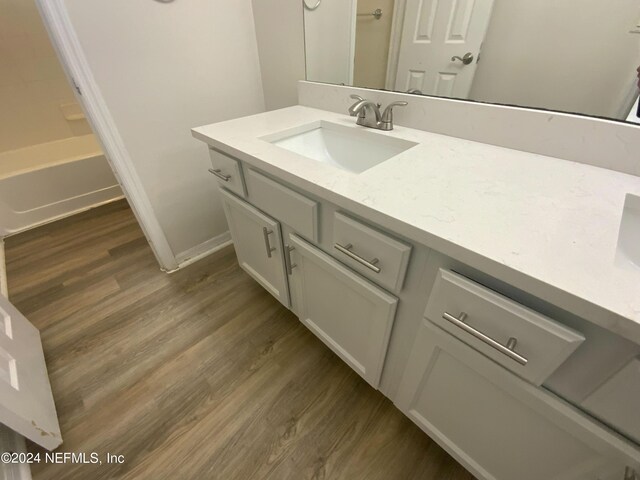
(545, 225)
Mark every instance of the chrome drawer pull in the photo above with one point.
(218, 173)
(287, 259)
(371, 265)
(265, 233)
(508, 350)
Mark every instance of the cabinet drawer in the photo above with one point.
(520, 339)
(227, 172)
(296, 210)
(616, 401)
(370, 252)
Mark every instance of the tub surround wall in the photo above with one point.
(601, 143)
(33, 87)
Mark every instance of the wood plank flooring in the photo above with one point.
(200, 374)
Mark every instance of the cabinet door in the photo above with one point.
(350, 315)
(497, 425)
(258, 242)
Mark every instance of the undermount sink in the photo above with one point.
(351, 149)
(629, 236)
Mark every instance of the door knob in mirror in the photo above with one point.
(466, 59)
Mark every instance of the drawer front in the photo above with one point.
(370, 252)
(520, 339)
(296, 210)
(227, 172)
(616, 401)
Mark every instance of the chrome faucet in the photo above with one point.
(368, 113)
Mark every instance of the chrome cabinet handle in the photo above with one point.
(265, 233)
(507, 350)
(287, 259)
(371, 265)
(466, 59)
(218, 173)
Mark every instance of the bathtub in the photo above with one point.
(45, 182)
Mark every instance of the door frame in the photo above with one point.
(395, 41)
(88, 94)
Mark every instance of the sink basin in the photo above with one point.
(351, 149)
(629, 236)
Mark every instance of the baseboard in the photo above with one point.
(204, 249)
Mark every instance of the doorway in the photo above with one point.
(51, 162)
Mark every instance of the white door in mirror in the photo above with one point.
(440, 45)
(25, 392)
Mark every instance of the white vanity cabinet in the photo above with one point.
(258, 243)
(349, 314)
(498, 425)
(471, 361)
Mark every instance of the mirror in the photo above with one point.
(577, 56)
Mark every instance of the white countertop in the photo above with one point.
(544, 225)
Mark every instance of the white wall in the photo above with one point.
(572, 55)
(162, 69)
(280, 35)
(32, 83)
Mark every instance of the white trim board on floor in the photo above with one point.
(74, 62)
(204, 249)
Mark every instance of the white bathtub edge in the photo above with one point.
(114, 198)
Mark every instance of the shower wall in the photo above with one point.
(37, 104)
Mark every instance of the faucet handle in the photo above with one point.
(387, 116)
(356, 97)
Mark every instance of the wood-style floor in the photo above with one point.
(200, 374)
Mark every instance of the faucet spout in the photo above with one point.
(369, 115)
(361, 108)
(352, 109)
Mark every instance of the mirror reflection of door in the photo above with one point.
(329, 37)
(433, 33)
